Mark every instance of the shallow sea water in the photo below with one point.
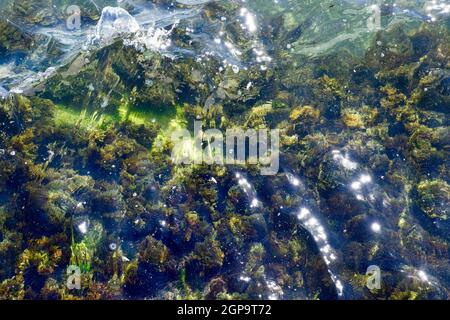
(92, 92)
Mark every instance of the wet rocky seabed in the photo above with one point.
(87, 170)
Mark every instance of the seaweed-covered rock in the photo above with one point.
(434, 198)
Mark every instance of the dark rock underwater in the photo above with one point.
(88, 175)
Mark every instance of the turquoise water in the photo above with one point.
(91, 93)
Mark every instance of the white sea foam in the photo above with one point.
(114, 22)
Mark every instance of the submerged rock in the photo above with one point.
(114, 21)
